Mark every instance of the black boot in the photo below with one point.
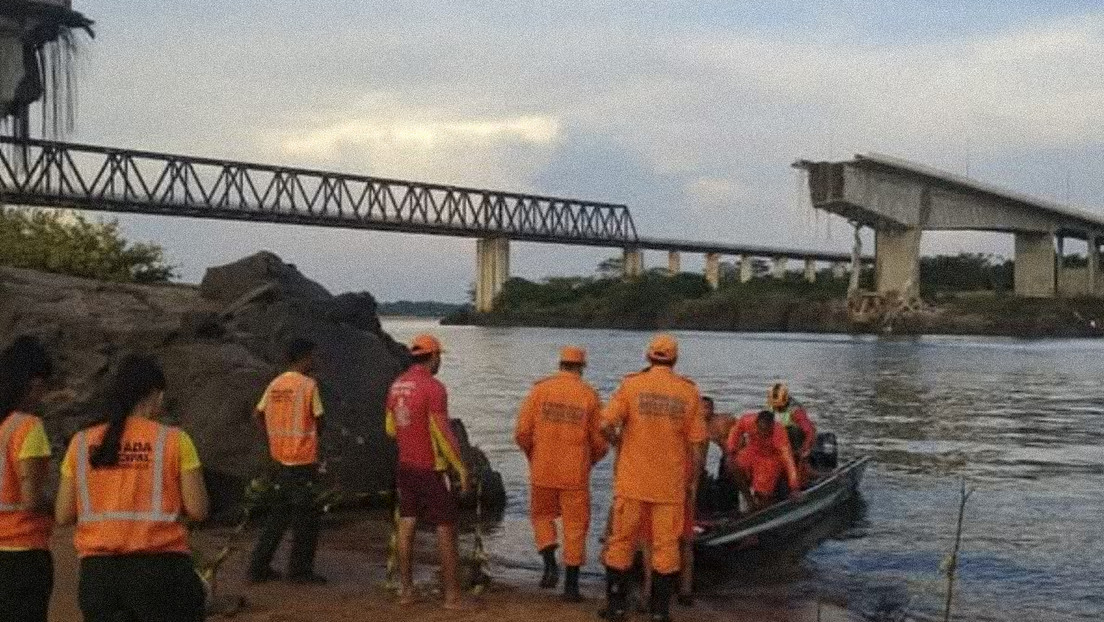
(571, 585)
(663, 585)
(551, 571)
(616, 595)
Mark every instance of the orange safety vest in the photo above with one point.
(133, 507)
(19, 529)
(289, 419)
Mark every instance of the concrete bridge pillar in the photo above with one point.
(778, 268)
(674, 263)
(897, 261)
(745, 268)
(713, 270)
(839, 270)
(1034, 265)
(492, 258)
(810, 270)
(632, 263)
(1094, 265)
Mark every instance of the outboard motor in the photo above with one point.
(825, 454)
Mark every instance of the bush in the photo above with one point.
(67, 243)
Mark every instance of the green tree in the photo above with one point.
(67, 243)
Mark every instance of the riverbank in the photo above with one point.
(764, 305)
(352, 555)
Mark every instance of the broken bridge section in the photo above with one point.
(901, 199)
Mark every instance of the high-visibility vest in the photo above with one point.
(133, 507)
(19, 529)
(289, 420)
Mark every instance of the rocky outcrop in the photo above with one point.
(220, 343)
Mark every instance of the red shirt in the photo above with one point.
(774, 447)
(417, 418)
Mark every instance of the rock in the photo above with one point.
(220, 345)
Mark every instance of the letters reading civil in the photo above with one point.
(661, 405)
(557, 412)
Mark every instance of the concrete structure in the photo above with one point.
(713, 270)
(674, 263)
(900, 199)
(632, 263)
(839, 270)
(810, 270)
(746, 269)
(492, 271)
(778, 268)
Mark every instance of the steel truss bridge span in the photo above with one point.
(67, 175)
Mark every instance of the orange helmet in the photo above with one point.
(425, 344)
(779, 396)
(573, 355)
(663, 349)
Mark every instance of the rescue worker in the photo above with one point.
(558, 430)
(800, 428)
(654, 418)
(417, 418)
(26, 567)
(290, 411)
(758, 451)
(129, 482)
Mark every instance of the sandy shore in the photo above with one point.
(353, 558)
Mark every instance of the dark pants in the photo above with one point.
(293, 506)
(140, 588)
(26, 580)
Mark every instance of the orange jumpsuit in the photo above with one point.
(660, 418)
(558, 429)
(762, 459)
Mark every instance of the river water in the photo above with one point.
(1020, 420)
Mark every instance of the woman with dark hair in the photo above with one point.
(26, 568)
(129, 483)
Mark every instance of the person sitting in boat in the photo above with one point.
(758, 452)
(799, 427)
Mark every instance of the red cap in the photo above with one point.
(425, 344)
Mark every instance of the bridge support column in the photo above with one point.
(897, 261)
(632, 263)
(1094, 265)
(713, 270)
(674, 263)
(778, 268)
(839, 270)
(810, 270)
(1034, 265)
(492, 258)
(745, 269)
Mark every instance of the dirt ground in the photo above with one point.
(353, 559)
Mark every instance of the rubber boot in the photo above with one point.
(551, 574)
(659, 607)
(571, 585)
(616, 596)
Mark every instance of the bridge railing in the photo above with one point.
(55, 174)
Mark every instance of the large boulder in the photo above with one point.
(220, 344)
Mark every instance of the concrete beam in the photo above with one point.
(897, 261)
(745, 269)
(1034, 265)
(778, 268)
(810, 270)
(713, 270)
(632, 263)
(492, 259)
(674, 263)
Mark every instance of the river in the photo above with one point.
(1020, 420)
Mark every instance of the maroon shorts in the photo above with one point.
(423, 495)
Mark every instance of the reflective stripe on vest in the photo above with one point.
(10, 425)
(785, 417)
(157, 498)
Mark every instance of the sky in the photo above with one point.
(688, 112)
